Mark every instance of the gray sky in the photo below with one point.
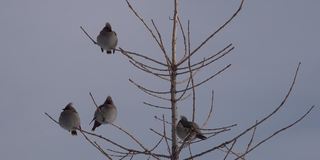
(47, 62)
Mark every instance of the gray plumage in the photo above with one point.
(69, 119)
(188, 129)
(107, 39)
(105, 114)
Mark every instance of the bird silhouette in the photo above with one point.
(104, 114)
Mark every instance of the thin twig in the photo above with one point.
(210, 111)
(230, 149)
(278, 131)
(143, 67)
(185, 90)
(193, 88)
(212, 134)
(93, 100)
(97, 147)
(184, 38)
(94, 42)
(148, 91)
(165, 134)
(186, 140)
(159, 134)
(51, 118)
(207, 59)
(251, 139)
(232, 152)
(259, 122)
(157, 144)
(204, 81)
(131, 136)
(162, 120)
(167, 92)
(124, 156)
(126, 53)
(208, 63)
(156, 106)
(219, 128)
(189, 146)
(160, 44)
(214, 33)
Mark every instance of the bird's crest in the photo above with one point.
(108, 100)
(69, 107)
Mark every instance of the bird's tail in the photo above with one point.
(200, 136)
(95, 125)
(74, 132)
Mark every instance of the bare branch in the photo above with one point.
(230, 149)
(162, 120)
(158, 133)
(251, 139)
(127, 53)
(184, 38)
(259, 122)
(278, 131)
(214, 33)
(167, 92)
(93, 100)
(232, 152)
(131, 136)
(51, 118)
(185, 90)
(96, 146)
(124, 156)
(219, 128)
(157, 144)
(160, 44)
(187, 86)
(193, 89)
(189, 146)
(207, 59)
(210, 111)
(165, 134)
(204, 81)
(148, 90)
(212, 134)
(144, 69)
(208, 63)
(155, 106)
(93, 41)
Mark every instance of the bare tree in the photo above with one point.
(179, 74)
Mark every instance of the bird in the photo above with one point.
(104, 114)
(69, 119)
(107, 39)
(190, 130)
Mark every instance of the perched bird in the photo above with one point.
(107, 39)
(187, 129)
(104, 114)
(69, 119)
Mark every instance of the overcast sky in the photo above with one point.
(47, 62)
